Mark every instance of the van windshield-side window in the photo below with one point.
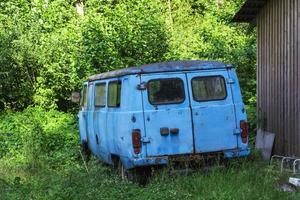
(209, 88)
(83, 100)
(100, 95)
(114, 94)
(166, 91)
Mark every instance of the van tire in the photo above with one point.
(115, 161)
(125, 174)
(86, 152)
(135, 175)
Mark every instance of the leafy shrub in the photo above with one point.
(48, 49)
(36, 134)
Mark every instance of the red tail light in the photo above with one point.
(136, 141)
(244, 127)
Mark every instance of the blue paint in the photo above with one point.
(203, 126)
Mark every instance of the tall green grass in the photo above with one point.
(52, 169)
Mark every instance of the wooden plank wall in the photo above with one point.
(278, 73)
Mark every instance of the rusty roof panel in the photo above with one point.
(162, 67)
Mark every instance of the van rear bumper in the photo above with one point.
(161, 160)
(237, 153)
(164, 160)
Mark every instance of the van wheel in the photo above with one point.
(135, 175)
(125, 174)
(86, 152)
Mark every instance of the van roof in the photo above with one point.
(162, 67)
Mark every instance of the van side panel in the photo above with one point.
(240, 109)
(82, 121)
(123, 120)
(90, 119)
(99, 117)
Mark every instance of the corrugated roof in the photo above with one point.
(162, 67)
(249, 10)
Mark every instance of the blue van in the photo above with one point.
(143, 116)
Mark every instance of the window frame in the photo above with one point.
(213, 76)
(108, 93)
(100, 106)
(167, 103)
(84, 98)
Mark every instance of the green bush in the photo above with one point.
(48, 49)
(35, 134)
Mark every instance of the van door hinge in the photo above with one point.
(145, 139)
(230, 81)
(142, 86)
(237, 131)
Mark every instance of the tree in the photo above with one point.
(48, 47)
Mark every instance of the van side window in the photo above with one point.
(100, 94)
(83, 100)
(166, 91)
(209, 88)
(114, 94)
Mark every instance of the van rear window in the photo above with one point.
(114, 94)
(166, 91)
(100, 94)
(209, 88)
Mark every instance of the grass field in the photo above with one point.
(39, 159)
(243, 179)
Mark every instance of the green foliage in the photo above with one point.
(48, 49)
(17, 61)
(129, 33)
(34, 135)
(38, 61)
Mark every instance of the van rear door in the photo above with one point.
(167, 114)
(213, 111)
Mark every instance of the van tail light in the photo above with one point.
(244, 127)
(136, 141)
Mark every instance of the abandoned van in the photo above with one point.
(142, 116)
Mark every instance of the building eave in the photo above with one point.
(249, 11)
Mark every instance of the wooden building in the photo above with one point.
(278, 70)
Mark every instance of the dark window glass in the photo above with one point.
(166, 91)
(209, 88)
(114, 94)
(84, 96)
(100, 94)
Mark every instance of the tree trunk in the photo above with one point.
(79, 7)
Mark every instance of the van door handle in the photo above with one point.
(146, 140)
(174, 130)
(237, 131)
(164, 131)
